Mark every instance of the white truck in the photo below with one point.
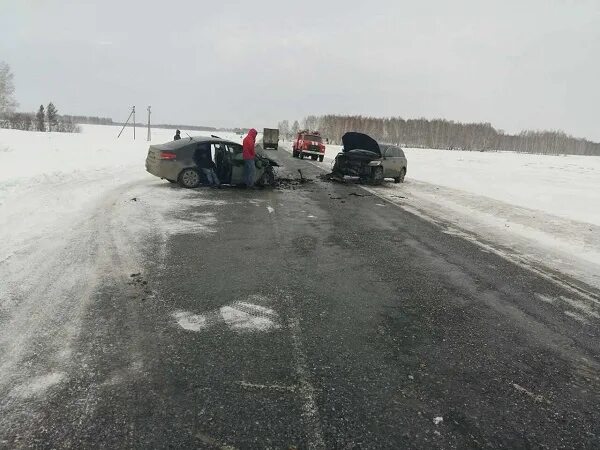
(271, 138)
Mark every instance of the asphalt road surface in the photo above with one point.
(321, 316)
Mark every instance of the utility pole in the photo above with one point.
(132, 113)
(149, 136)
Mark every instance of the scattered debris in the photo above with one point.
(134, 199)
(537, 398)
(140, 289)
(274, 387)
(438, 420)
(290, 183)
(357, 194)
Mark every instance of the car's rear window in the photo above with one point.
(311, 137)
(393, 152)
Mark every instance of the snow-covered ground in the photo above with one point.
(73, 211)
(540, 210)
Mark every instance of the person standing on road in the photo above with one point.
(249, 154)
(177, 135)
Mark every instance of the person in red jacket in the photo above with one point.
(248, 154)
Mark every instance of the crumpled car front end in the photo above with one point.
(361, 158)
(355, 164)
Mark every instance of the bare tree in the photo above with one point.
(284, 129)
(295, 128)
(7, 90)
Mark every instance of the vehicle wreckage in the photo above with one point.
(176, 162)
(364, 158)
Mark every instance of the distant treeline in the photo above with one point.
(90, 120)
(94, 120)
(446, 134)
(168, 126)
(183, 127)
(46, 119)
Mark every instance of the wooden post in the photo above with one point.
(149, 136)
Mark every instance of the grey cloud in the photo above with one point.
(512, 63)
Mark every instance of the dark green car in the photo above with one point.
(176, 161)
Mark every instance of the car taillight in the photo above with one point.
(167, 155)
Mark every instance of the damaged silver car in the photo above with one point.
(177, 161)
(362, 157)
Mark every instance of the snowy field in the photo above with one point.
(537, 209)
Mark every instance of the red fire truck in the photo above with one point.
(308, 143)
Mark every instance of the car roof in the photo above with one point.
(188, 142)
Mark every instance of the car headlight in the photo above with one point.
(374, 163)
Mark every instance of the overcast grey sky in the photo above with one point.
(519, 64)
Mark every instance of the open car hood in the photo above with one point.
(272, 162)
(359, 141)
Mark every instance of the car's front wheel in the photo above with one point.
(376, 175)
(313, 157)
(268, 178)
(400, 178)
(301, 155)
(189, 178)
(294, 153)
(321, 158)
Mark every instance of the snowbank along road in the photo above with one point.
(138, 314)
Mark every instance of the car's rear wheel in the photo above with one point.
(321, 158)
(189, 178)
(313, 157)
(301, 155)
(400, 178)
(294, 153)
